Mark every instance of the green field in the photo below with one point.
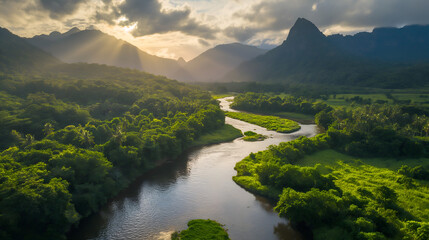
(269, 122)
(200, 230)
(418, 98)
(352, 173)
(219, 96)
(224, 134)
(298, 117)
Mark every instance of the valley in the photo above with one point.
(195, 120)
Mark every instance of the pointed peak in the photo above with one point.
(181, 60)
(72, 31)
(54, 34)
(304, 30)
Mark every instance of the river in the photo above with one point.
(198, 185)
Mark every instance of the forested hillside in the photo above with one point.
(94, 46)
(70, 144)
(74, 135)
(17, 55)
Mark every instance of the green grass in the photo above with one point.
(202, 230)
(253, 137)
(218, 96)
(416, 97)
(269, 122)
(340, 99)
(351, 173)
(224, 134)
(298, 117)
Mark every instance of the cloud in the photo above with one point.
(241, 33)
(203, 42)
(60, 8)
(152, 18)
(278, 15)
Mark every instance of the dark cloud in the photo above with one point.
(203, 42)
(241, 33)
(152, 19)
(60, 8)
(277, 15)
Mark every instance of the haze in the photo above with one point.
(186, 28)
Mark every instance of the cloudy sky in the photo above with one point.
(185, 28)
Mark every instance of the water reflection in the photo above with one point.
(285, 231)
(197, 185)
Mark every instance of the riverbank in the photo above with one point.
(355, 197)
(166, 198)
(277, 124)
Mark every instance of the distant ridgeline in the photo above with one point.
(93, 46)
(386, 58)
(74, 135)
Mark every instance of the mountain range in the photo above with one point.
(17, 55)
(409, 44)
(93, 46)
(214, 63)
(308, 56)
(386, 57)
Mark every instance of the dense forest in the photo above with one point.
(74, 137)
(341, 184)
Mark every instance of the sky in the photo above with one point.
(185, 28)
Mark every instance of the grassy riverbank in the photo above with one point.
(202, 229)
(269, 122)
(223, 134)
(343, 197)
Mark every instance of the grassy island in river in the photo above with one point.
(269, 122)
(202, 230)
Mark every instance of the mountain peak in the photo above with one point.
(304, 30)
(71, 31)
(181, 62)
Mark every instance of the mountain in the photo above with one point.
(214, 63)
(93, 46)
(409, 44)
(17, 55)
(308, 56)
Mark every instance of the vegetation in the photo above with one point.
(225, 133)
(253, 137)
(263, 103)
(365, 178)
(269, 122)
(70, 144)
(219, 96)
(202, 230)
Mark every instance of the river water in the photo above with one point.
(198, 185)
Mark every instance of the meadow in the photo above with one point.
(353, 174)
(269, 122)
(225, 133)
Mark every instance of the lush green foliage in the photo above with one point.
(339, 196)
(253, 137)
(269, 122)
(376, 130)
(202, 230)
(223, 134)
(70, 144)
(256, 102)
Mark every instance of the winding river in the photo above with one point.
(196, 186)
